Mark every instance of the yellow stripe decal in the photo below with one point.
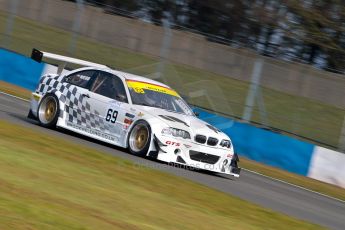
(139, 87)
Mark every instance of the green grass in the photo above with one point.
(14, 90)
(50, 183)
(298, 115)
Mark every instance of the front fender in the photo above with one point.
(156, 126)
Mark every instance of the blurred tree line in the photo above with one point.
(307, 31)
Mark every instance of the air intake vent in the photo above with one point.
(212, 141)
(203, 157)
(200, 139)
(174, 119)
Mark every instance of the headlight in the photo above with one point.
(176, 132)
(225, 143)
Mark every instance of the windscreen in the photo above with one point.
(147, 94)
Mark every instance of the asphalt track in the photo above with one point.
(267, 192)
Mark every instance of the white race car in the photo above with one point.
(143, 115)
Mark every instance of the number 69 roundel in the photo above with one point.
(111, 116)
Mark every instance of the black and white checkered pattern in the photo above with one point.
(77, 108)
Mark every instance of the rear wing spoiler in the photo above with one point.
(38, 55)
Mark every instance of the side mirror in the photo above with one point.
(121, 98)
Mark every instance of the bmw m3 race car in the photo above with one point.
(145, 116)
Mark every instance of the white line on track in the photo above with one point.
(268, 177)
(10, 95)
(293, 185)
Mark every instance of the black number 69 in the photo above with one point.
(111, 115)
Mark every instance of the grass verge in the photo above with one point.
(305, 182)
(293, 114)
(15, 90)
(50, 183)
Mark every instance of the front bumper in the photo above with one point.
(193, 155)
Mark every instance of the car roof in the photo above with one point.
(127, 76)
(133, 77)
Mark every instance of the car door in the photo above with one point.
(109, 100)
(75, 88)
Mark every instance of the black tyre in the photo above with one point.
(48, 111)
(139, 138)
(31, 115)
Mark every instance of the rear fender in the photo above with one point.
(62, 101)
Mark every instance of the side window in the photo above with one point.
(80, 79)
(109, 85)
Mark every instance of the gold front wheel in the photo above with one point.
(139, 138)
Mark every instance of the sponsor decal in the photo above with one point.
(140, 87)
(114, 103)
(92, 131)
(130, 115)
(140, 114)
(127, 122)
(172, 143)
(83, 77)
(229, 155)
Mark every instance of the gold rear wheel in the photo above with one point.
(47, 111)
(50, 110)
